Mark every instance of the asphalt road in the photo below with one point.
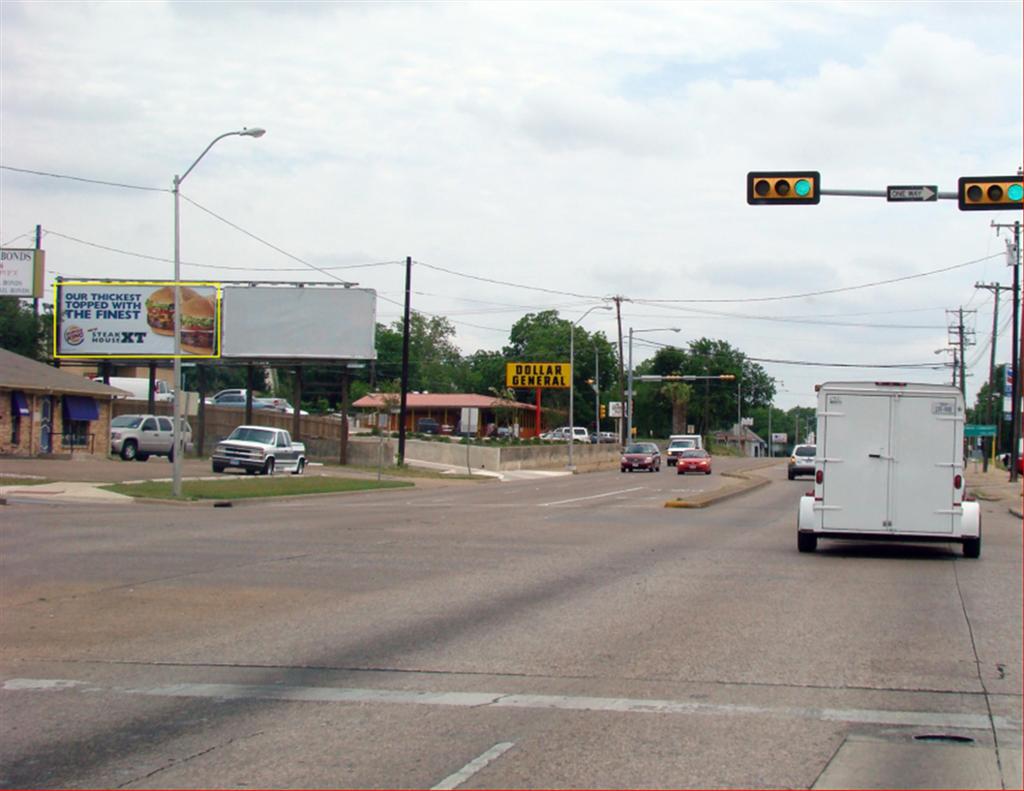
(566, 632)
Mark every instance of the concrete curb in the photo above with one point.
(748, 483)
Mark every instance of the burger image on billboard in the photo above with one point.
(160, 308)
(198, 323)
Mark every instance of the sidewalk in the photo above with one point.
(995, 485)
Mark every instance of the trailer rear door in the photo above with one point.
(925, 459)
(856, 434)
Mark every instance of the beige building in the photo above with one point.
(44, 410)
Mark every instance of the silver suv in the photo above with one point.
(137, 437)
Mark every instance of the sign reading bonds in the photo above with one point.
(21, 272)
(554, 375)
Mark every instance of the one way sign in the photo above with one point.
(919, 193)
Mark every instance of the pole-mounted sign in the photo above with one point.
(916, 194)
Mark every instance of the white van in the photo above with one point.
(889, 466)
(677, 443)
(138, 386)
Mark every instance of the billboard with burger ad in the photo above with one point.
(135, 319)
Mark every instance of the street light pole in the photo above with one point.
(629, 396)
(178, 417)
(572, 376)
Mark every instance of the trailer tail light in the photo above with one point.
(819, 477)
(958, 481)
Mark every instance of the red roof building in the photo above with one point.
(446, 409)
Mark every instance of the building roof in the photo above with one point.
(421, 401)
(21, 373)
(747, 435)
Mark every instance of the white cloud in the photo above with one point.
(595, 148)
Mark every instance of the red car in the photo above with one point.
(693, 461)
(641, 456)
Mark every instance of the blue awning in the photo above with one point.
(80, 408)
(19, 404)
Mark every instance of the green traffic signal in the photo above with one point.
(783, 186)
(988, 193)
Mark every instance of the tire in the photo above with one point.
(129, 450)
(218, 467)
(806, 541)
(972, 547)
(300, 467)
(707, 472)
(170, 455)
(791, 475)
(268, 466)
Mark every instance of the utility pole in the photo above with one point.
(622, 372)
(993, 389)
(1013, 259)
(405, 362)
(959, 340)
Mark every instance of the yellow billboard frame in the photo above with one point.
(530, 376)
(216, 286)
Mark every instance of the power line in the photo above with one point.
(84, 180)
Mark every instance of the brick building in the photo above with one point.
(44, 410)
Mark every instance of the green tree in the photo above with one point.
(679, 395)
(24, 333)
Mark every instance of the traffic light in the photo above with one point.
(727, 377)
(783, 187)
(990, 193)
(604, 411)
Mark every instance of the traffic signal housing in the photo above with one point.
(604, 411)
(990, 193)
(783, 187)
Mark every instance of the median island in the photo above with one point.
(238, 488)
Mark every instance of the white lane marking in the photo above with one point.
(930, 719)
(592, 496)
(474, 766)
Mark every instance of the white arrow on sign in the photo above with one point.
(920, 193)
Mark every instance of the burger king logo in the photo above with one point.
(73, 335)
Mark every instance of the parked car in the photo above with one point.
(604, 437)
(693, 460)
(259, 449)
(801, 460)
(427, 425)
(562, 434)
(137, 437)
(641, 456)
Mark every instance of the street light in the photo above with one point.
(179, 445)
(629, 396)
(572, 371)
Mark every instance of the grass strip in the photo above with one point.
(14, 480)
(236, 488)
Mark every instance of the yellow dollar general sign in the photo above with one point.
(537, 374)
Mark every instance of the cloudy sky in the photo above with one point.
(532, 156)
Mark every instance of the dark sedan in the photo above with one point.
(641, 456)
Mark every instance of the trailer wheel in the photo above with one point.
(972, 547)
(807, 541)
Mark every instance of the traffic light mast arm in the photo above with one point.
(878, 194)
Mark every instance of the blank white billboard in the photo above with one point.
(289, 322)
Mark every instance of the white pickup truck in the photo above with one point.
(889, 465)
(259, 449)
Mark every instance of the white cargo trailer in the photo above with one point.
(889, 466)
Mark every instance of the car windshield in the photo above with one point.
(693, 454)
(806, 450)
(640, 449)
(126, 421)
(249, 434)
